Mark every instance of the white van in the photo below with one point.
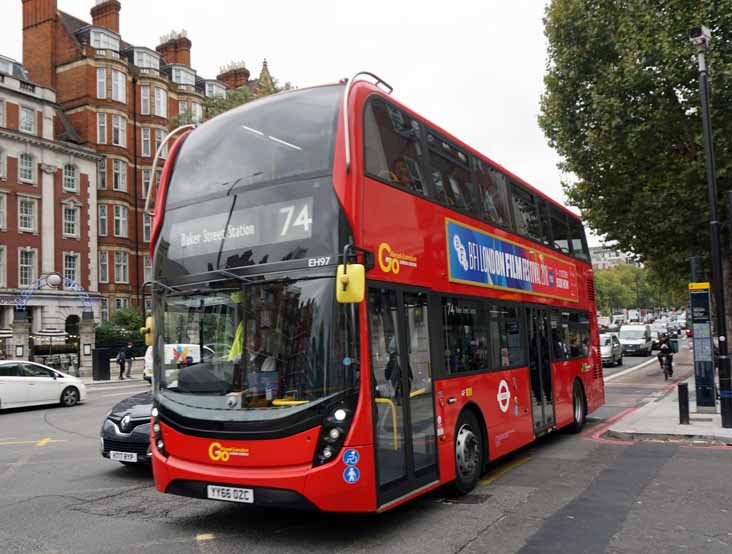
(636, 339)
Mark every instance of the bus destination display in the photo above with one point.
(479, 258)
(245, 228)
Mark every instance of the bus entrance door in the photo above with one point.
(540, 370)
(404, 415)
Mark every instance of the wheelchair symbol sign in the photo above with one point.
(351, 457)
(351, 475)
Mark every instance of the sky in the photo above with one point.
(474, 67)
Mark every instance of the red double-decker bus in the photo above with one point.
(352, 307)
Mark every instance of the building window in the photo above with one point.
(146, 227)
(120, 221)
(161, 102)
(119, 130)
(146, 175)
(102, 211)
(3, 163)
(3, 211)
(3, 267)
(183, 76)
(121, 303)
(102, 128)
(104, 309)
(101, 82)
(27, 214)
(26, 168)
(196, 112)
(159, 136)
(147, 269)
(146, 60)
(102, 177)
(182, 107)
(104, 41)
(119, 86)
(71, 266)
(146, 142)
(103, 267)
(119, 175)
(215, 89)
(26, 267)
(27, 120)
(145, 100)
(71, 221)
(71, 178)
(120, 267)
(2, 112)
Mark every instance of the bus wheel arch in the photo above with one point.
(469, 457)
(579, 406)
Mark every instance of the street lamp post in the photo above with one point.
(700, 38)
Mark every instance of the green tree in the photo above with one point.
(621, 106)
(630, 286)
(123, 327)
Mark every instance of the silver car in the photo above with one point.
(610, 349)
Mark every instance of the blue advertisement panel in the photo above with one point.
(479, 258)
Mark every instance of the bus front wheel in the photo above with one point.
(579, 408)
(468, 452)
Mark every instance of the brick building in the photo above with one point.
(48, 203)
(120, 100)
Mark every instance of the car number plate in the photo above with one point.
(123, 456)
(231, 494)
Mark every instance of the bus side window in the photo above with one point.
(525, 213)
(392, 146)
(467, 335)
(579, 244)
(560, 229)
(451, 176)
(491, 195)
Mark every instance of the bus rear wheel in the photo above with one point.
(468, 453)
(579, 408)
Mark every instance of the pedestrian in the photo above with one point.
(128, 359)
(121, 363)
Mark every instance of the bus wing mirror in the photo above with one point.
(146, 331)
(350, 283)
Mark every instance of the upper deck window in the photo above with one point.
(275, 138)
(492, 195)
(452, 181)
(392, 147)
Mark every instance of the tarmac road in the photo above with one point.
(574, 494)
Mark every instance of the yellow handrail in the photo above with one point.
(393, 419)
(284, 402)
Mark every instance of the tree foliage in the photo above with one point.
(621, 106)
(630, 286)
(123, 327)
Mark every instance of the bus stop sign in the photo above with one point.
(701, 325)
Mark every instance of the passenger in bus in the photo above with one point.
(400, 174)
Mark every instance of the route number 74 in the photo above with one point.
(302, 220)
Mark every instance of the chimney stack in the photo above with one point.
(39, 30)
(234, 75)
(175, 47)
(105, 13)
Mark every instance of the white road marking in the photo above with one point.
(630, 369)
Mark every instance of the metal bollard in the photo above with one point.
(683, 403)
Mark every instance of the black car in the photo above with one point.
(125, 434)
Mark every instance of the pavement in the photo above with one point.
(135, 373)
(657, 417)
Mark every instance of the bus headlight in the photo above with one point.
(157, 435)
(333, 433)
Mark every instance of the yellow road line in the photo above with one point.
(205, 537)
(495, 474)
(42, 442)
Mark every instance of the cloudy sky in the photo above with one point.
(475, 67)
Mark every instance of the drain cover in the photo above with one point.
(467, 499)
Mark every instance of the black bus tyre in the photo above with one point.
(579, 408)
(468, 452)
(620, 360)
(70, 397)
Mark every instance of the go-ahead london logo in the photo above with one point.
(462, 254)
